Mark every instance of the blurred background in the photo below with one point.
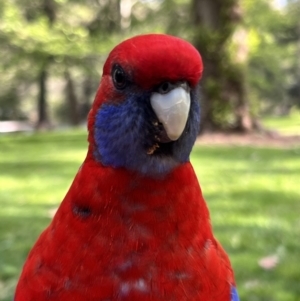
(247, 157)
(52, 53)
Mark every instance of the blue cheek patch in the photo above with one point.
(121, 132)
(117, 131)
(234, 294)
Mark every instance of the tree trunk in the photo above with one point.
(72, 99)
(224, 92)
(88, 94)
(49, 8)
(43, 119)
(107, 19)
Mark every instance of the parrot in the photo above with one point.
(134, 224)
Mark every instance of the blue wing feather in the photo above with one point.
(234, 294)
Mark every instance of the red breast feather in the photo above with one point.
(123, 235)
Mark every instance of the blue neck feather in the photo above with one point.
(122, 132)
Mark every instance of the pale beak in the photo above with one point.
(172, 110)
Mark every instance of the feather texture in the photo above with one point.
(134, 224)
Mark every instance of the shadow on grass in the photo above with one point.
(252, 195)
(238, 153)
(250, 199)
(34, 166)
(253, 224)
(17, 236)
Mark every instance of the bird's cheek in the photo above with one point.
(107, 93)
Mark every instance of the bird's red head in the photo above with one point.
(127, 111)
(153, 58)
(149, 60)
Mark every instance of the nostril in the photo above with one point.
(166, 87)
(185, 86)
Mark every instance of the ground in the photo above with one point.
(252, 139)
(250, 183)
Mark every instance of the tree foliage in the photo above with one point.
(273, 40)
(66, 40)
(52, 52)
(224, 102)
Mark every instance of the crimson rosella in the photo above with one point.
(134, 224)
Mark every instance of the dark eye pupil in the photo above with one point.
(119, 78)
(165, 87)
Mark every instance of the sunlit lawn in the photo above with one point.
(253, 195)
(285, 125)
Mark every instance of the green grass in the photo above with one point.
(253, 195)
(285, 125)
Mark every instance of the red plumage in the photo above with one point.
(122, 235)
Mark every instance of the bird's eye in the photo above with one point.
(119, 77)
(165, 87)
